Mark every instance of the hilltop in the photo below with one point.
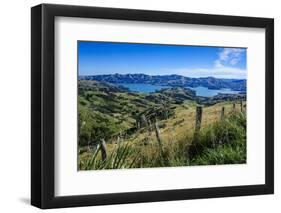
(171, 80)
(156, 129)
(110, 109)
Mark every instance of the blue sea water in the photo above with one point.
(205, 92)
(145, 88)
(200, 91)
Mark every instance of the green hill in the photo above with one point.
(126, 122)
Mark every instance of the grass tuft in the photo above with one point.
(223, 142)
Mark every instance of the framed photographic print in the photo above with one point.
(140, 106)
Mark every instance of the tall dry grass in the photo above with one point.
(223, 142)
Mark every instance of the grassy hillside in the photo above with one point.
(156, 129)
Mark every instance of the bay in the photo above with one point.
(205, 92)
(200, 91)
(145, 88)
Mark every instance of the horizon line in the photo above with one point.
(160, 75)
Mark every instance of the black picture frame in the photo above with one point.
(43, 105)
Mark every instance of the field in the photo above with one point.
(172, 127)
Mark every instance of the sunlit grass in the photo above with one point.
(220, 142)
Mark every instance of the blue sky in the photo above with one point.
(97, 58)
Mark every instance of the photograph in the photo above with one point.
(139, 105)
(146, 105)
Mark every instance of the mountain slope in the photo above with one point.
(170, 80)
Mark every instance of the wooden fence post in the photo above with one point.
(194, 146)
(198, 120)
(241, 106)
(222, 113)
(149, 127)
(103, 149)
(144, 121)
(157, 133)
(233, 106)
(89, 146)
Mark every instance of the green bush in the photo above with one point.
(224, 142)
(118, 159)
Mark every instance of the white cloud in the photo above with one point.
(218, 64)
(221, 72)
(223, 67)
(229, 57)
(217, 72)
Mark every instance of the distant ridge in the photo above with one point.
(170, 80)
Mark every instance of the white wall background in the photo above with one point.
(15, 105)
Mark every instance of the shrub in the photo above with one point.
(224, 142)
(119, 158)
